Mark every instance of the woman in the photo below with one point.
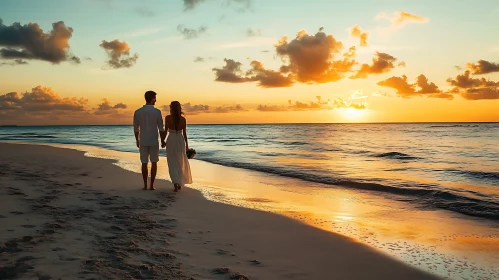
(177, 146)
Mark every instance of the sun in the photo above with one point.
(353, 114)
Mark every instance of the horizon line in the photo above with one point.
(450, 122)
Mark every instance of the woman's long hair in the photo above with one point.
(176, 111)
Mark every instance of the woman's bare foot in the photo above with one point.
(152, 188)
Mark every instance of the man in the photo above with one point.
(147, 121)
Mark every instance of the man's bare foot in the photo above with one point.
(177, 187)
(152, 188)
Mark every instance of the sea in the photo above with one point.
(451, 166)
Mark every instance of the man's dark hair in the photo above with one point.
(149, 96)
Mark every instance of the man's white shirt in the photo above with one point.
(148, 121)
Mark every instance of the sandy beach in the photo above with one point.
(68, 216)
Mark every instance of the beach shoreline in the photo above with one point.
(67, 215)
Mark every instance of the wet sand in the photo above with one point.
(65, 215)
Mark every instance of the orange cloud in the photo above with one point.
(466, 81)
(420, 88)
(195, 109)
(403, 17)
(105, 108)
(310, 59)
(358, 33)
(41, 103)
(268, 78)
(483, 67)
(341, 103)
(481, 93)
(399, 20)
(475, 88)
(119, 54)
(320, 104)
(30, 42)
(382, 63)
(271, 108)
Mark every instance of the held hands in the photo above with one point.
(163, 144)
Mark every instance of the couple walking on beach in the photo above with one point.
(147, 125)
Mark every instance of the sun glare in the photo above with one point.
(353, 114)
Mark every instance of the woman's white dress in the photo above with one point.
(178, 163)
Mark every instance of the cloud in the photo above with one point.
(30, 42)
(120, 106)
(358, 33)
(311, 57)
(358, 94)
(144, 11)
(253, 32)
(399, 20)
(119, 54)
(318, 105)
(195, 109)
(271, 108)
(481, 93)
(17, 61)
(307, 59)
(228, 109)
(105, 108)
(239, 5)
(199, 59)
(230, 73)
(420, 88)
(466, 81)
(483, 67)
(268, 78)
(382, 63)
(40, 100)
(190, 33)
(191, 4)
(474, 88)
(203, 59)
(340, 103)
(379, 94)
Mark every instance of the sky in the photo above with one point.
(249, 61)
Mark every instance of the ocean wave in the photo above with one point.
(395, 155)
(425, 195)
(488, 176)
(23, 136)
(290, 143)
(456, 125)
